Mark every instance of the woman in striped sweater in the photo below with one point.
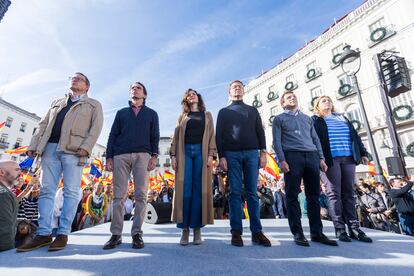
(343, 150)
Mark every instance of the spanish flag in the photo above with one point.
(19, 150)
(2, 125)
(159, 177)
(85, 180)
(26, 177)
(168, 175)
(107, 180)
(271, 166)
(371, 170)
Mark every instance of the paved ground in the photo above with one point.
(390, 254)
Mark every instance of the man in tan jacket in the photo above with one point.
(64, 140)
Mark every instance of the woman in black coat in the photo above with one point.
(343, 150)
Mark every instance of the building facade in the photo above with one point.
(314, 70)
(164, 160)
(19, 129)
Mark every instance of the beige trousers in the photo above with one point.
(124, 164)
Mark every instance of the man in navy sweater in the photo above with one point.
(132, 147)
(239, 137)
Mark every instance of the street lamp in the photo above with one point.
(351, 64)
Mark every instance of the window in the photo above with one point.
(257, 97)
(272, 88)
(338, 49)
(274, 110)
(403, 99)
(168, 161)
(406, 138)
(345, 79)
(311, 65)
(9, 121)
(291, 78)
(19, 142)
(354, 113)
(14, 158)
(34, 130)
(3, 138)
(377, 24)
(23, 127)
(316, 92)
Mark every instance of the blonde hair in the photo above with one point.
(319, 112)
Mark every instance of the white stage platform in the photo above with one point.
(389, 254)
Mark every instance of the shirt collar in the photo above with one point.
(76, 98)
(133, 106)
(290, 112)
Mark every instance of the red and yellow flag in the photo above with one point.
(26, 177)
(2, 125)
(19, 150)
(170, 177)
(98, 164)
(371, 170)
(107, 180)
(271, 166)
(159, 177)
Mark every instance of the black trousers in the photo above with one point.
(303, 165)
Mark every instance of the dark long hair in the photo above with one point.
(186, 106)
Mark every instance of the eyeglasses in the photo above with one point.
(75, 79)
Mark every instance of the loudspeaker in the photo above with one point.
(394, 166)
(158, 212)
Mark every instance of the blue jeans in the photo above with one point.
(407, 224)
(54, 163)
(192, 187)
(243, 165)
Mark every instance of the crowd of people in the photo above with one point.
(317, 156)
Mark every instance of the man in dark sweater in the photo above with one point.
(132, 147)
(300, 154)
(239, 137)
(9, 174)
(403, 197)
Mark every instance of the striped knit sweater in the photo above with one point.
(339, 136)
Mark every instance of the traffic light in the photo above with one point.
(395, 74)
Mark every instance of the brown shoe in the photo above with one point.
(35, 243)
(59, 243)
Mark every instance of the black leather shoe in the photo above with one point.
(260, 238)
(358, 234)
(137, 241)
(300, 239)
(113, 242)
(342, 235)
(236, 239)
(321, 238)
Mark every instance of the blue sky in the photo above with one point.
(167, 45)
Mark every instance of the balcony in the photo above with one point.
(345, 91)
(291, 85)
(312, 74)
(380, 34)
(271, 96)
(335, 60)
